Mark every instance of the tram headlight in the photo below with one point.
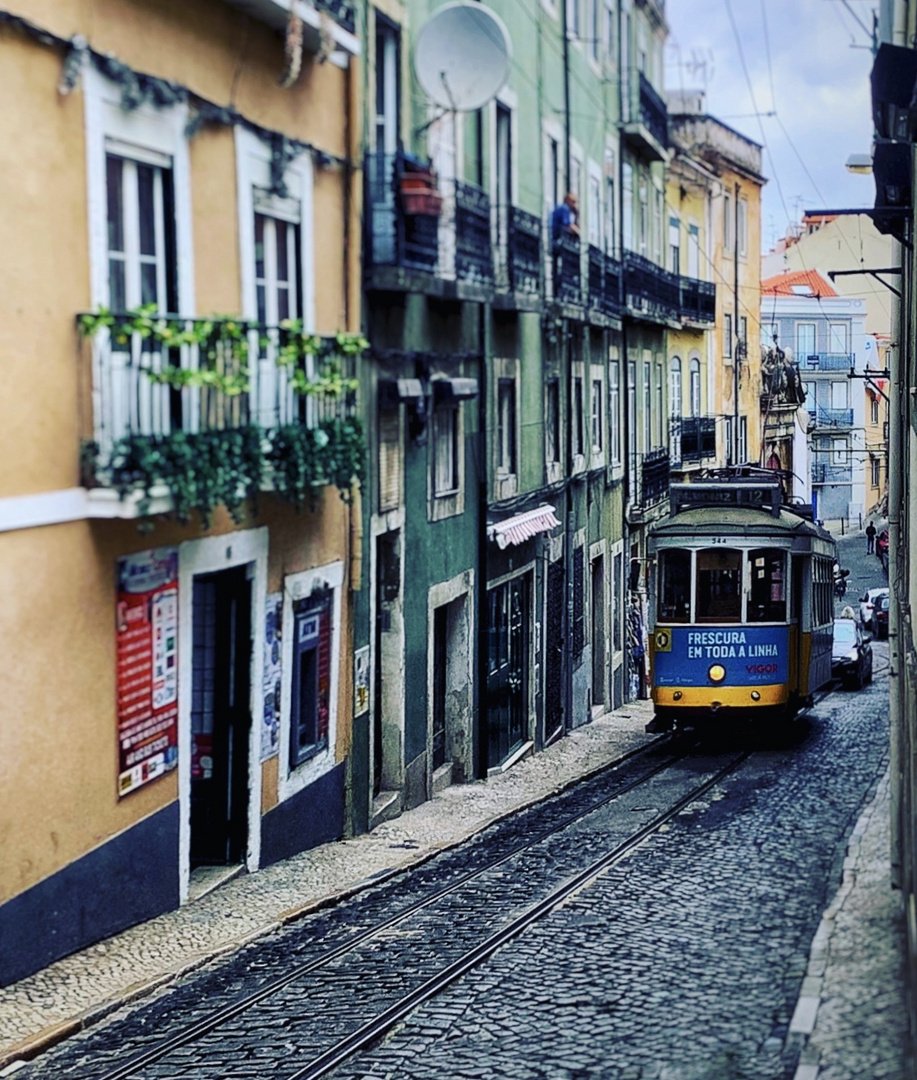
(716, 673)
(755, 696)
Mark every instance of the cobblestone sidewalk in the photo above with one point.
(851, 1012)
(81, 989)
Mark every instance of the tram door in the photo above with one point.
(508, 669)
(220, 717)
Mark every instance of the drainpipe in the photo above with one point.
(480, 725)
(735, 327)
(566, 55)
(896, 454)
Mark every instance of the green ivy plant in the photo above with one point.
(226, 466)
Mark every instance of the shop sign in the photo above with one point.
(147, 658)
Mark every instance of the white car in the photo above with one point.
(868, 602)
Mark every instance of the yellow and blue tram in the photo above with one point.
(741, 604)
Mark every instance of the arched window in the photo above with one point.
(695, 387)
(675, 387)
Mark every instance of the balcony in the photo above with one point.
(691, 439)
(567, 274)
(187, 414)
(831, 418)
(517, 259)
(649, 482)
(698, 301)
(832, 474)
(828, 362)
(424, 234)
(604, 285)
(646, 119)
(276, 14)
(650, 291)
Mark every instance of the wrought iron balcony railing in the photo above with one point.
(418, 222)
(649, 289)
(645, 114)
(828, 362)
(343, 12)
(832, 418)
(604, 289)
(166, 389)
(567, 268)
(698, 300)
(691, 438)
(517, 251)
(650, 477)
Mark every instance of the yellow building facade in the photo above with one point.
(177, 696)
(732, 164)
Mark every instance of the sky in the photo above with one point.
(810, 77)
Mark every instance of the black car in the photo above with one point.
(851, 656)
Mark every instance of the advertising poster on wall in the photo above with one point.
(147, 659)
(270, 719)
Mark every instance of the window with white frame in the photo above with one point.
(647, 406)
(837, 338)
(743, 439)
(659, 410)
(506, 426)
(675, 387)
(595, 209)
(674, 245)
(141, 229)
(277, 247)
(594, 29)
(693, 251)
(573, 19)
(805, 341)
(839, 451)
(609, 32)
(311, 641)
(310, 704)
(578, 406)
(874, 410)
(614, 411)
(874, 465)
(727, 336)
(728, 226)
(742, 223)
(839, 395)
(743, 331)
(627, 207)
(552, 422)
(611, 217)
(445, 448)
(658, 216)
(695, 387)
(598, 416)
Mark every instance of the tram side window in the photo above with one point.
(823, 574)
(675, 586)
(767, 599)
(719, 586)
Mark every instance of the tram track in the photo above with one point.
(378, 949)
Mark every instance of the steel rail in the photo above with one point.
(374, 1029)
(221, 1016)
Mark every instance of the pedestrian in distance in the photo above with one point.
(870, 539)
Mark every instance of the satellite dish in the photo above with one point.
(462, 56)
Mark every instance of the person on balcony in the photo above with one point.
(564, 217)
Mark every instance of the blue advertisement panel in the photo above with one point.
(751, 655)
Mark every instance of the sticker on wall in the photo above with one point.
(270, 714)
(147, 667)
(361, 681)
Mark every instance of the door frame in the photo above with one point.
(208, 556)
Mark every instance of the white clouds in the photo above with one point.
(821, 92)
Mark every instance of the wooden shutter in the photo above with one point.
(389, 457)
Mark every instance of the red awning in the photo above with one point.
(522, 527)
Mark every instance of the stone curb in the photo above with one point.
(14, 1057)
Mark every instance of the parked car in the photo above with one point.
(867, 603)
(851, 655)
(880, 616)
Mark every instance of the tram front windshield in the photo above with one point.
(720, 586)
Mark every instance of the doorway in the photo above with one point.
(509, 663)
(598, 633)
(220, 716)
